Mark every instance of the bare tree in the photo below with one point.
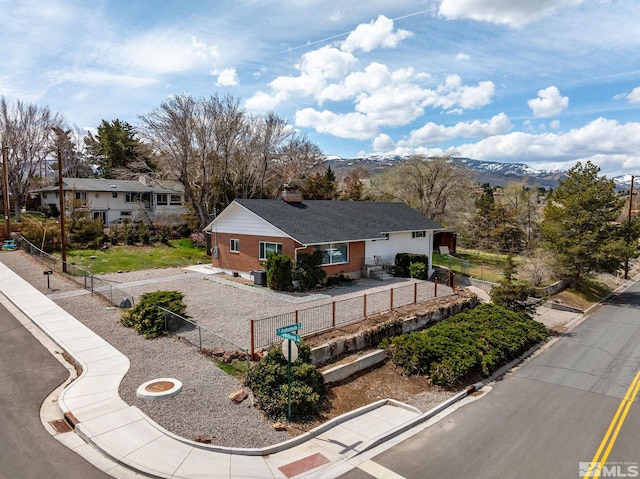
(297, 158)
(72, 150)
(435, 187)
(218, 152)
(27, 131)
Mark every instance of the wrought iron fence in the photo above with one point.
(114, 295)
(339, 313)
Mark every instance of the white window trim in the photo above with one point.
(262, 249)
(333, 245)
(237, 247)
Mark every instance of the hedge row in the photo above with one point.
(478, 340)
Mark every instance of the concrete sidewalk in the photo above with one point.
(127, 437)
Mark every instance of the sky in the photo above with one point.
(545, 82)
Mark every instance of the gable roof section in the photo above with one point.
(103, 184)
(319, 221)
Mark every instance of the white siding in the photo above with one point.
(237, 219)
(398, 243)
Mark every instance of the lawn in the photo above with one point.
(132, 258)
(478, 264)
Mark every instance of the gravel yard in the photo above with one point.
(203, 409)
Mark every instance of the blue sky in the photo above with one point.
(545, 82)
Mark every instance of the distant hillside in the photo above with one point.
(492, 172)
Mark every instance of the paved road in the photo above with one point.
(546, 418)
(28, 373)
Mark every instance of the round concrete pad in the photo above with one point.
(161, 388)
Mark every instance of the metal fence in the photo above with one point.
(114, 295)
(197, 335)
(339, 313)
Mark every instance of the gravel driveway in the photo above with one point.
(202, 409)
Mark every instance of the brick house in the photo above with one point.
(352, 235)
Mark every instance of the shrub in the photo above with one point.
(148, 319)
(279, 270)
(418, 270)
(268, 382)
(49, 210)
(199, 240)
(43, 233)
(403, 262)
(479, 340)
(308, 272)
(144, 234)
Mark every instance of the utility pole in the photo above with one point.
(63, 239)
(5, 193)
(626, 263)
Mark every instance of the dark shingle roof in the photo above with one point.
(318, 221)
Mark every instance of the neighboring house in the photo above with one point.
(116, 200)
(351, 234)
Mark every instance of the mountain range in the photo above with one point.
(492, 172)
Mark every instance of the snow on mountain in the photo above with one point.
(492, 172)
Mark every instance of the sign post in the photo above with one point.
(290, 351)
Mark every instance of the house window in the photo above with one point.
(132, 197)
(81, 195)
(234, 245)
(175, 199)
(333, 253)
(161, 199)
(114, 194)
(44, 195)
(419, 234)
(125, 213)
(267, 248)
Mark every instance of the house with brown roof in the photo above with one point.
(351, 235)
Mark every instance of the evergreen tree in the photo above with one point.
(118, 151)
(511, 294)
(580, 226)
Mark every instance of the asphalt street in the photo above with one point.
(28, 374)
(545, 418)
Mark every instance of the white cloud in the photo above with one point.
(261, 101)
(383, 143)
(463, 56)
(377, 34)
(632, 97)
(316, 68)
(351, 125)
(432, 133)
(514, 13)
(554, 125)
(226, 77)
(100, 78)
(162, 52)
(454, 93)
(549, 103)
(601, 138)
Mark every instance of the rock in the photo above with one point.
(238, 396)
(278, 426)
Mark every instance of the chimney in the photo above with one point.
(291, 195)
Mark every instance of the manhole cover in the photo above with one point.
(161, 388)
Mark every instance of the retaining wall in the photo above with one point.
(348, 344)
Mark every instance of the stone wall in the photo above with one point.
(370, 338)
